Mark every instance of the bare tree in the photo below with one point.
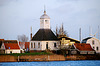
(22, 38)
(61, 31)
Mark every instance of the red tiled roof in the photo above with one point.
(83, 47)
(27, 45)
(11, 45)
(21, 43)
(1, 39)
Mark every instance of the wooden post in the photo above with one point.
(18, 58)
(48, 57)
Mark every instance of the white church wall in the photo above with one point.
(43, 45)
(44, 24)
(35, 45)
(95, 45)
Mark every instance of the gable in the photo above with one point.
(2, 46)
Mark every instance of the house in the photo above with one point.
(1, 41)
(94, 42)
(27, 44)
(24, 46)
(64, 40)
(82, 48)
(44, 39)
(10, 48)
(7, 41)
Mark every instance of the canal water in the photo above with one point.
(54, 63)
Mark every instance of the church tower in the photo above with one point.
(44, 21)
(44, 37)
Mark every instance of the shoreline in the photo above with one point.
(47, 58)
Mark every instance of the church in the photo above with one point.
(44, 39)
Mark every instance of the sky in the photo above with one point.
(17, 17)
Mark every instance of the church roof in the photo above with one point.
(44, 16)
(44, 35)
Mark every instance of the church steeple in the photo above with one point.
(44, 10)
(44, 21)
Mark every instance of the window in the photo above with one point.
(31, 45)
(34, 44)
(93, 42)
(46, 20)
(97, 48)
(54, 44)
(93, 48)
(10, 51)
(39, 45)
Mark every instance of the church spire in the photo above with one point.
(44, 21)
(44, 10)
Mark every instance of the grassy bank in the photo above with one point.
(35, 53)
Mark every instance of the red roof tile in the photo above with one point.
(27, 45)
(83, 47)
(11, 45)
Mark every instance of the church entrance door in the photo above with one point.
(46, 46)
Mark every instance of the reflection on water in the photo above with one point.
(54, 63)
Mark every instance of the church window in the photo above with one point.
(31, 45)
(39, 45)
(34, 44)
(97, 48)
(93, 42)
(54, 44)
(46, 20)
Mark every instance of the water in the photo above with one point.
(54, 63)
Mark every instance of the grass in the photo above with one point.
(34, 53)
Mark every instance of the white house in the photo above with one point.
(94, 42)
(44, 38)
(10, 48)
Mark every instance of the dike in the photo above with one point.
(30, 58)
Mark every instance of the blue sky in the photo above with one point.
(17, 16)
